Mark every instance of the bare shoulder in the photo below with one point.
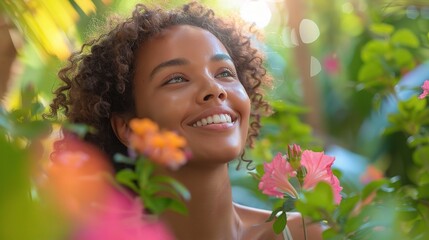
(254, 223)
(256, 227)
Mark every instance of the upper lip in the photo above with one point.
(212, 111)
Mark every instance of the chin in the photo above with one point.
(218, 155)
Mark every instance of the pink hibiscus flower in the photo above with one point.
(275, 181)
(425, 88)
(318, 166)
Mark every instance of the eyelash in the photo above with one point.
(228, 71)
(173, 79)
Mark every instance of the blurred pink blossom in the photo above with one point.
(331, 64)
(75, 178)
(80, 181)
(318, 166)
(425, 88)
(121, 217)
(275, 181)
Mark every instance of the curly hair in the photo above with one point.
(98, 79)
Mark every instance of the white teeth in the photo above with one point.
(228, 118)
(209, 119)
(222, 118)
(216, 118)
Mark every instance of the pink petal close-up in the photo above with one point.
(425, 88)
(275, 181)
(318, 166)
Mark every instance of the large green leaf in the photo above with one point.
(406, 38)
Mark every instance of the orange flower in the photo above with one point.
(173, 140)
(143, 126)
(371, 174)
(162, 147)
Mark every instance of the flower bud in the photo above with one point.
(300, 174)
(294, 156)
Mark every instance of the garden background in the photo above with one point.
(347, 76)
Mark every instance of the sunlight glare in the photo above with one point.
(257, 12)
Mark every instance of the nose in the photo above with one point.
(212, 91)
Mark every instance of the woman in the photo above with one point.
(192, 73)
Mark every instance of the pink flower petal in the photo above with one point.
(318, 166)
(275, 181)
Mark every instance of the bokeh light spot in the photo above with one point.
(309, 31)
(315, 66)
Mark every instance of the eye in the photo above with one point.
(226, 73)
(175, 79)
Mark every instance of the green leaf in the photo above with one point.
(403, 58)
(178, 206)
(370, 72)
(423, 191)
(407, 213)
(421, 156)
(331, 234)
(317, 203)
(37, 108)
(144, 170)
(424, 178)
(260, 169)
(373, 186)
(32, 129)
(374, 50)
(353, 223)
(280, 223)
(128, 178)
(274, 214)
(382, 29)
(406, 38)
(347, 205)
(321, 195)
(289, 204)
(176, 185)
(158, 205)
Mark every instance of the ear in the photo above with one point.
(119, 123)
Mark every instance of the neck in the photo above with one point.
(211, 212)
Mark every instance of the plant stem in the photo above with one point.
(304, 227)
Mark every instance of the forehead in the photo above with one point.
(180, 41)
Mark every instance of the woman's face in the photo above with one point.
(186, 81)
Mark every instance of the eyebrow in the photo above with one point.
(182, 61)
(169, 63)
(221, 57)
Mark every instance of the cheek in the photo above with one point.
(242, 101)
(243, 104)
(165, 109)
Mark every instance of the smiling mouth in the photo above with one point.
(214, 119)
